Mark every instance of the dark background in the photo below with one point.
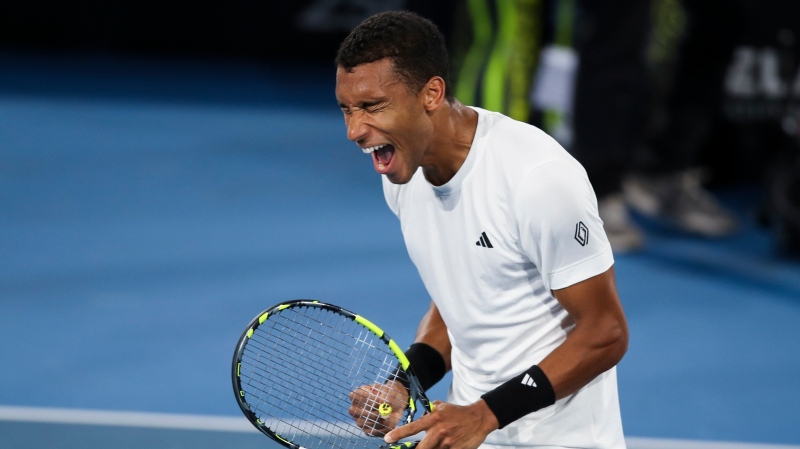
(288, 31)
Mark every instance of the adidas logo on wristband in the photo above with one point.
(528, 380)
(513, 399)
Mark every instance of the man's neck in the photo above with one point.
(455, 128)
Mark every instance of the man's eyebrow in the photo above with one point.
(364, 104)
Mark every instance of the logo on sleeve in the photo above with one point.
(581, 233)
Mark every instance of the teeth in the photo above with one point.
(371, 149)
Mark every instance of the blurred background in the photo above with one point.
(169, 170)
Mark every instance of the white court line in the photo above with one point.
(125, 419)
(235, 424)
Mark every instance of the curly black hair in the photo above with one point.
(413, 43)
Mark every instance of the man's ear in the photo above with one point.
(433, 93)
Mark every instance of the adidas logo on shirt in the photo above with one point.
(528, 380)
(484, 241)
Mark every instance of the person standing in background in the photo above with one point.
(669, 184)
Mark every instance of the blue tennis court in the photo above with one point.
(150, 208)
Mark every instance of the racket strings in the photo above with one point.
(280, 342)
(314, 346)
(307, 402)
(285, 385)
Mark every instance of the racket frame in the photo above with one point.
(416, 394)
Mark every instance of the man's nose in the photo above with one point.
(356, 126)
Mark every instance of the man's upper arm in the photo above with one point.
(594, 299)
(600, 322)
(599, 339)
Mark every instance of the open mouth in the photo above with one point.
(382, 156)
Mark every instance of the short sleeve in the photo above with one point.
(559, 227)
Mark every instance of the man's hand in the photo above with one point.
(366, 403)
(450, 426)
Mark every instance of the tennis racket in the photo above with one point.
(312, 375)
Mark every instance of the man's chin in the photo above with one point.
(395, 178)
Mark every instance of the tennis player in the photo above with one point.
(502, 224)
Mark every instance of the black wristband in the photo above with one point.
(523, 394)
(426, 363)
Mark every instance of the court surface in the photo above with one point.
(150, 208)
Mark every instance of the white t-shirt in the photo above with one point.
(517, 220)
